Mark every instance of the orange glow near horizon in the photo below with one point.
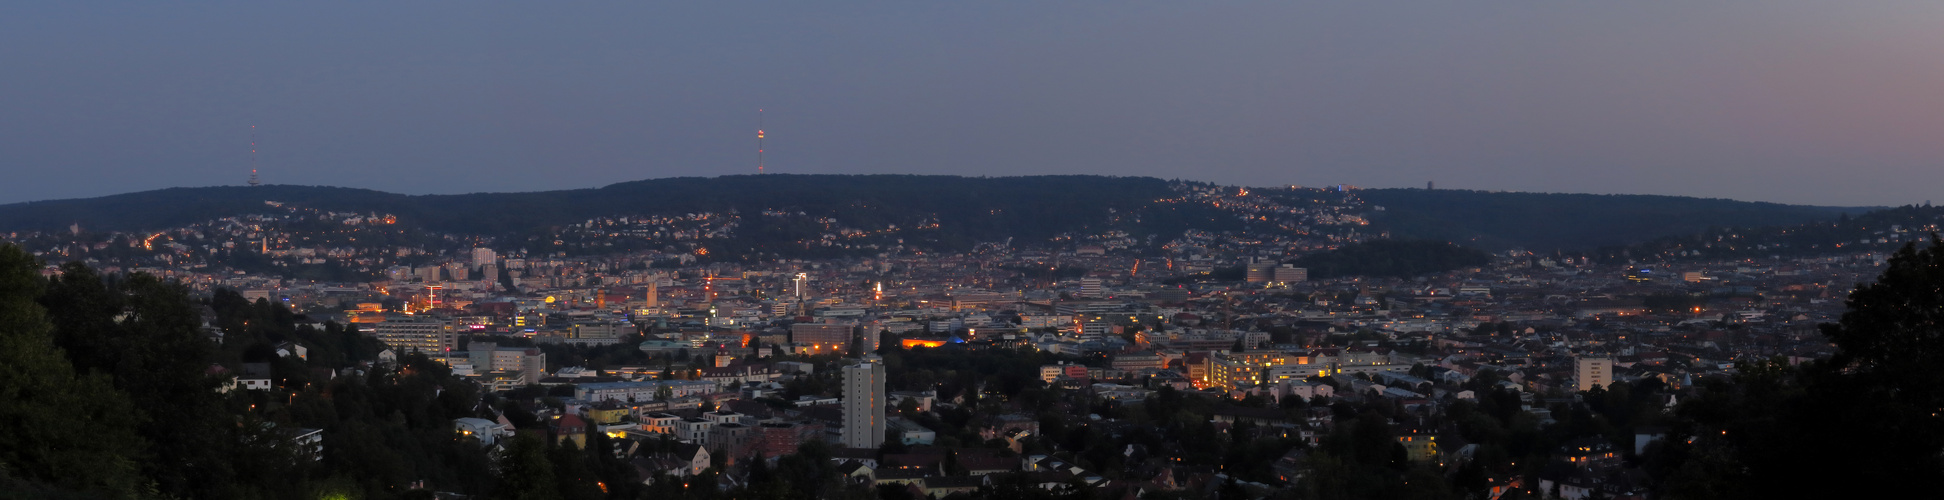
(910, 343)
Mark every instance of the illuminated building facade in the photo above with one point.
(921, 342)
(1261, 358)
(1590, 372)
(1231, 374)
(1136, 362)
(822, 337)
(417, 333)
(864, 404)
(1419, 447)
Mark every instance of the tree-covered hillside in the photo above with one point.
(975, 208)
(1880, 231)
(1551, 221)
(948, 212)
(1391, 259)
(111, 388)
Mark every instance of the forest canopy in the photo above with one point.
(1391, 259)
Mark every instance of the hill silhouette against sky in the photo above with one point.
(977, 208)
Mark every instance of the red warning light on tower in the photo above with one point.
(759, 141)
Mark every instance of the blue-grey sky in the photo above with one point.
(1795, 101)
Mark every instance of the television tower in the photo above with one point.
(759, 142)
(253, 158)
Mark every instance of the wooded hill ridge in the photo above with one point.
(1497, 220)
(970, 209)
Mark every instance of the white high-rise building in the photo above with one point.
(484, 257)
(864, 403)
(1091, 288)
(1291, 274)
(1589, 372)
(869, 336)
(429, 335)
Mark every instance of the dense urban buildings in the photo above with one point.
(1205, 361)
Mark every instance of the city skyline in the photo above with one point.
(1013, 250)
(1789, 102)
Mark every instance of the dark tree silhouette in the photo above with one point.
(59, 430)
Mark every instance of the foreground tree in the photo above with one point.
(59, 430)
(1894, 330)
(1886, 372)
(145, 335)
(526, 473)
(1869, 420)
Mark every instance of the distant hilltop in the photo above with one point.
(963, 211)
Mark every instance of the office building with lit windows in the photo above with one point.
(1231, 373)
(822, 337)
(429, 335)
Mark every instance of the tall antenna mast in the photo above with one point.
(253, 158)
(759, 141)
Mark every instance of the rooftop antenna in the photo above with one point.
(759, 141)
(253, 158)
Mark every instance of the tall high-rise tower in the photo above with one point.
(1592, 372)
(864, 403)
(253, 157)
(759, 141)
(484, 257)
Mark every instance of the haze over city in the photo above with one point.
(971, 250)
(1784, 101)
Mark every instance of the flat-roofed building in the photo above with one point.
(694, 430)
(594, 333)
(1260, 357)
(1231, 374)
(822, 337)
(660, 423)
(424, 334)
(1137, 362)
(490, 357)
(779, 438)
(642, 390)
(733, 439)
(1591, 372)
(1291, 274)
(864, 400)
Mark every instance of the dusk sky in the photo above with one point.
(1809, 102)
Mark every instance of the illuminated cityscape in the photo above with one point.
(1040, 251)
